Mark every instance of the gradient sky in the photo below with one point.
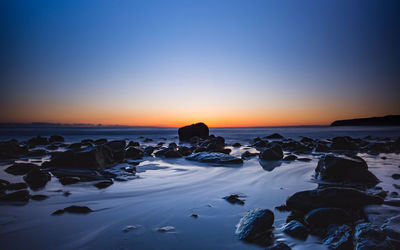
(227, 63)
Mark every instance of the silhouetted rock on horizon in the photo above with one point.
(199, 129)
(345, 169)
(255, 226)
(389, 120)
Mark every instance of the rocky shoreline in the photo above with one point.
(342, 210)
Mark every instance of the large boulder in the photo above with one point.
(20, 195)
(38, 140)
(347, 169)
(117, 148)
(199, 129)
(134, 152)
(56, 138)
(255, 226)
(219, 158)
(296, 229)
(273, 153)
(330, 197)
(343, 143)
(369, 236)
(37, 178)
(89, 158)
(11, 149)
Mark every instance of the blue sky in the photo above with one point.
(172, 62)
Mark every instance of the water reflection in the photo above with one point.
(269, 165)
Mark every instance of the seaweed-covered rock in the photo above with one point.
(348, 169)
(255, 226)
(219, 158)
(199, 129)
(273, 153)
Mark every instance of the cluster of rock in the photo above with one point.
(341, 210)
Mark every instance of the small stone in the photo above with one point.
(129, 228)
(166, 229)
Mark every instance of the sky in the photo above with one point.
(171, 63)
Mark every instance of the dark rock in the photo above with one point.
(255, 226)
(379, 214)
(194, 216)
(56, 138)
(11, 149)
(39, 197)
(76, 145)
(396, 176)
(73, 210)
(260, 144)
(148, 151)
(290, 158)
(184, 151)
(340, 238)
(247, 155)
(199, 129)
(219, 158)
(343, 143)
(274, 153)
(331, 197)
(133, 144)
(20, 168)
(100, 141)
(37, 178)
(234, 199)
(134, 152)
(391, 227)
(236, 145)
(278, 246)
(304, 159)
(348, 169)
(16, 186)
(148, 140)
(3, 184)
(323, 217)
(52, 147)
(21, 195)
(89, 158)
(117, 149)
(274, 136)
(38, 140)
(67, 180)
(104, 184)
(322, 148)
(369, 236)
(396, 185)
(36, 152)
(306, 140)
(296, 229)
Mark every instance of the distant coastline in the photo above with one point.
(389, 120)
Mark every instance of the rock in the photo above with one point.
(391, 227)
(199, 129)
(396, 176)
(52, 147)
(304, 159)
(185, 151)
(36, 152)
(260, 144)
(56, 138)
(100, 141)
(133, 144)
(396, 185)
(392, 202)
(278, 246)
(247, 155)
(20, 195)
(237, 145)
(219, 158)
(73, 210)
(117, 149)
(296, 229)
(331, 197)
(290, 158)
(255, 226)
(274, 153)
(11, 149)
(37, 178)
(104, 184)
(322, 148)
(306, 140)
(148, 140)
(369, 236)
(340, 238)
(348, 169)
(39, 197)
(134, 152)
(379, 214)
(129, 228)
(98, 158)
(67, 180)
(3, 184)
(38, 140)
(343, 143)
(148, 151)
(20, 168)
(194, 216)
(323, 217)
(166, 229)
(234, 199)
(16, 186)
(274, 136)
(76, 145)
(172, 154)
